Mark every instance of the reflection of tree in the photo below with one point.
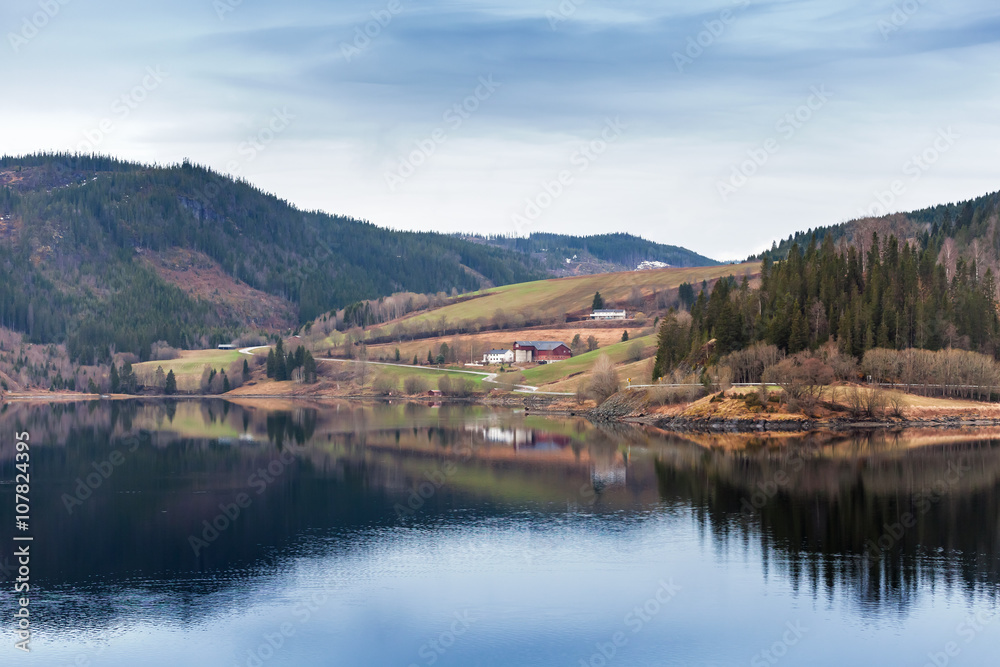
(298, 425)
(876, 525)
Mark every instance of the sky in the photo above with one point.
(717, 126)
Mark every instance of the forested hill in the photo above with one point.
(967, 227)
(97, 252)
(600, 253)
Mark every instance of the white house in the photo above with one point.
(499, 357)
(608, 315)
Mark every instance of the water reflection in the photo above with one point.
(179, 510)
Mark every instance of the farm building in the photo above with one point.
(541, 350)
(227, 346)
(499, 357)
(608, 315)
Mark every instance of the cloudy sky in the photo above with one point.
(718, 126)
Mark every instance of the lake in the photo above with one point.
(299, 533)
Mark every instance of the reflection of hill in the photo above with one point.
(348, 469)
(871, 516)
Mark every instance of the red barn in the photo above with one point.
(541, 350)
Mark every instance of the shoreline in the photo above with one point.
(542, 404)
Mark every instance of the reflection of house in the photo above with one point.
(499, 357)
(608, 315)
(525, 438)
(605, 474)
(541, 350)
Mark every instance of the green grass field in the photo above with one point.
(431, 375)
(549, 373)
(188, 367)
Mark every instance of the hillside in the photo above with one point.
(99, 252)
(603, 253)
(536, 303)
(967, 227)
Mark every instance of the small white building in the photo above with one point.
(608, 315)
(499, 357)
(227, 346)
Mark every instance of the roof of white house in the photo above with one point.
(541, 344)
(607, 311)
(498, 352)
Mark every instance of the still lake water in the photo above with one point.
(413, 535)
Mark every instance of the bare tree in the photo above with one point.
(604, 381)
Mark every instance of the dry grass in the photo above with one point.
(479, 343)
(559, 296)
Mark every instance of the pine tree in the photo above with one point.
(625, 335)
(598, 302)
(115, 382)
(170, 386)
(798, 335)
(280, 366)
(309, 367)
(270, 363)
(246, 369)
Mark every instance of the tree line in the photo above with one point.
(893, 296)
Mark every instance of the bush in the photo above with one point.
(455, 386)
(801, 377)
(866, 402)
(604, 380)
(414, 384)
(161, 351)
(384, 385)
(635, 351)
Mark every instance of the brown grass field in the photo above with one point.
(559, 296)
(473, 346)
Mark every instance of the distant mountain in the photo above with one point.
(102, 253)
(595, 254)
(968, 228)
